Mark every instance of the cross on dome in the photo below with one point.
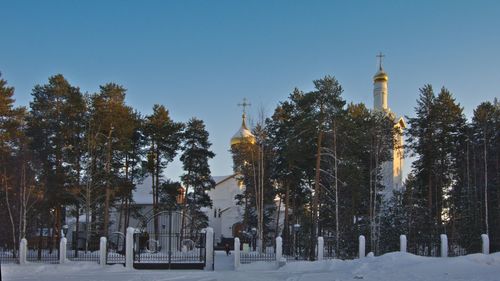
(380, 56)
(244, 104)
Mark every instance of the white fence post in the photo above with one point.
(361, 246)
(129, 248)
(23, 250)
(402, 243)
(209, 248)
(103, 251)
(486, 243)
(444, 246)
(279, 248)
(62, 250)
(236, 252)
(321, 244)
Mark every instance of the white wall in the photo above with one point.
(223, 201)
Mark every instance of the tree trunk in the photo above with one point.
(486, 183)
(108, 186)
(9, 209)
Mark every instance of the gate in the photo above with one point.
(169, 240)
(84, 248)
(115, 248)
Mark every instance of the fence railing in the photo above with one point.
(462, 247)
(250, 257)
(42, 249)
(9, 255)
(428, 247)
(439, 246)
(81, 250)
(338, 250)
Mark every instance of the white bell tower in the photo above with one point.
(380, 87)
(392, 171)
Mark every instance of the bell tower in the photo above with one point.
(380, 80)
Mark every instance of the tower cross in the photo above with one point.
(380, 56)
(244, 104)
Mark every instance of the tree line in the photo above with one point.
(79, 155)
(320, 160)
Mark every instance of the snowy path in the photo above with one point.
(390, 267)
(224, 262)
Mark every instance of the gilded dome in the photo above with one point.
(380, 76)
(243, 135)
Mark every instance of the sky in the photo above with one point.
(201, 58)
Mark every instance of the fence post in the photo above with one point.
(444, 245)
(103, 251)
(279, 248)
(402, 243)
(129, 248)
(361, 246)
(486, 243)
(62, 250)
(23, 249)
(209, 248)
(236, 252)
(321, 244)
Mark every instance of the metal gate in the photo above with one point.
(115, 248)
(169, 240)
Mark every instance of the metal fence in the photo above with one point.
(249, 257)
(115, 248)
(43, 249)
(341, 251)
(494, 244)
(462, 247)
(298, 248)
(9, 255)
(79, 249)
(169, 251)
(428, 247)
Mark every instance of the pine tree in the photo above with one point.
(437, 137)
(485, 137)
(197, 177)
(53, 124)
(12, 146)
(163, 136)
(111, 126)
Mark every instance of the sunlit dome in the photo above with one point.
(243, 135)
(380, 76)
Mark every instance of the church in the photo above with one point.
(225, 216)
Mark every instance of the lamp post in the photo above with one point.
(296, 229)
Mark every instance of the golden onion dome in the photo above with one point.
(380, 76)
(243, 135)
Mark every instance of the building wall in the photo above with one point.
(224, 212)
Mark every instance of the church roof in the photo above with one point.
(243, 135)
(381, 75)
(143, 194)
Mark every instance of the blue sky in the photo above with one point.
(200, 58)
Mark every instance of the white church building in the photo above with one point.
(225, 216)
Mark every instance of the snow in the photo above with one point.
(392, 266)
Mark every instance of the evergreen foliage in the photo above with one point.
(316, 162)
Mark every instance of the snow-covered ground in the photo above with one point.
(393, 266)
